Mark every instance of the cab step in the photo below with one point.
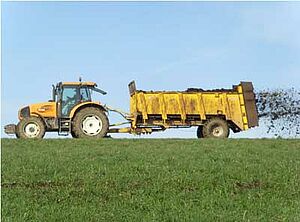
(64, 126)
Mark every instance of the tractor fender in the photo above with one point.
(34, 114)
(81, 106)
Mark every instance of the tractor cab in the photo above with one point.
(70, 94)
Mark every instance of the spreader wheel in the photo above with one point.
(216, 128)
(200, 132)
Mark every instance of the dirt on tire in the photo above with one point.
(20, 131)
(210, 126)
(77, 128)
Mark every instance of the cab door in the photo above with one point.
(69, 98)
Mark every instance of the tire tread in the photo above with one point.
(77, 131)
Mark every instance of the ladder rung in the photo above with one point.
(64, 127)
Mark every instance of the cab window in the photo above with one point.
(85, 94)
(69, 99)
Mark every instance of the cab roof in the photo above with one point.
(80, 83)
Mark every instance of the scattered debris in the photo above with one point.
(279, 111)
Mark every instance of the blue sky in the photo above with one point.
(162, 45)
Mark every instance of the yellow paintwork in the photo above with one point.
(149, 109)
(47, 109)
(80, 105)
(229, 104)
(80, 83)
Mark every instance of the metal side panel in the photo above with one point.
(250, 104)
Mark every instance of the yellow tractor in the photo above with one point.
(72, 111)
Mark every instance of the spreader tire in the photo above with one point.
(31, 128)
(90, 123)
(200, 132)
(215, 128)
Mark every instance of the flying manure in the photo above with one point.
(279, 111)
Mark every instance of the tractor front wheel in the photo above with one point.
(215, 128)
(30, 127)
(90, 123)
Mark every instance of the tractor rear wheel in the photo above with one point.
(90, 123)
(73, 134)
(215, 128)
(200, 132)
(31, 127)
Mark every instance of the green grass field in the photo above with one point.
(150, 180)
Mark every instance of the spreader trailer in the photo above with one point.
(72, 111)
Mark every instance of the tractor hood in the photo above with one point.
(47, 109)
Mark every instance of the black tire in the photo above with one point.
(73, 134)
(200, 132)
(31, 128)
(81, 128)
(216, 128)
(17, 133)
